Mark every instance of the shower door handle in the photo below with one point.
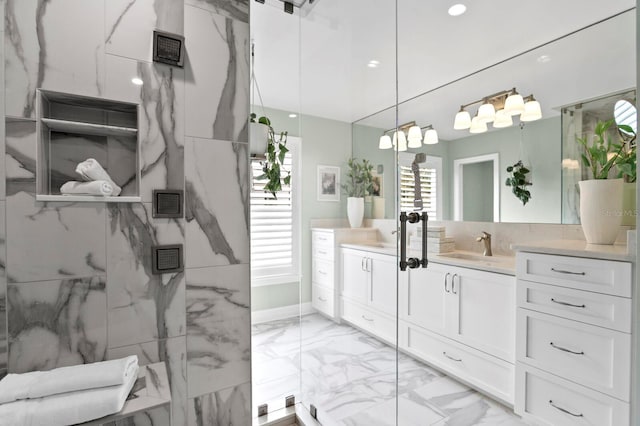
(412, 262)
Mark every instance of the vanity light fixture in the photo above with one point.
(408, 135)
(498, 108)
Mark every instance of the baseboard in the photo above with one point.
(284, 312)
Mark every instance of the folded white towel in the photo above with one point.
(91, 170)
(97, 187)
(67, 379)
(68, 408)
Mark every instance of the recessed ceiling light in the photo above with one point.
(293, 115)
(137, 81)
(543, 59)
(373, 63)
(457, 9)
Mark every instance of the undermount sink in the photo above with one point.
(477, 257)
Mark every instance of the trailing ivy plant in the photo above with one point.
(273, 169)
(360, 178)
(518, 182)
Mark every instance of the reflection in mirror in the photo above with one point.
(563, 72)
(476, 188)
(625, 114)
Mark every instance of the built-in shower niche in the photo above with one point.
(72, 129)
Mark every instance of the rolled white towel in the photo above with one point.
(38, 384)
(91, 170)
(97, 187)
(69, 408)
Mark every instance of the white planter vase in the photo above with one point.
(258, 138)
(601, 209)
(355, 211)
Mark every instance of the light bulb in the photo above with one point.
(532, 111)
(477, 126)
(431, 137)
(462, 121)
(514, 104)
(502, 120)
(385, 142)
(415, 137)
(486, 113)
(400, 141)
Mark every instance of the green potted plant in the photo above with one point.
(626, 164)
(258, 134)
(601, 196)
(518, 182)
(358, 185)
(273, 170)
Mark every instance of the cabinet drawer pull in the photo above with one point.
(451, 358)
(562, 271)
(445, 282)
(563, 410)
(559, 302)
(453, 283)
(560, 348)
(367, 319)
(362, 264)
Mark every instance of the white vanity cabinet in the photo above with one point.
(325, 265)
(462, 320)
(369, 291)
(574, 343)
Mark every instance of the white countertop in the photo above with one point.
(577, 248)
(498, 264)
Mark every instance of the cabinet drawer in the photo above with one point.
(600, 276)
(591, 356)
(322, 252)
(322, 272)
(593, 308)
(322, 299)
(490, 374)
(545, 399)
(380, 325)
(322, 239)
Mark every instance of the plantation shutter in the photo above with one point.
(272, 233)
(428, 188)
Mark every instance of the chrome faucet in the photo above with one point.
(486, 238)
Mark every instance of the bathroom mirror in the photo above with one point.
(572, 69)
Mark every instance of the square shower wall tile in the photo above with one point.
(56, 323)
(173, 353)
(155, 303)
(161, 125)
(130, 25)
(217, 65)
(226, 407)
(217, 203)
(218, 328)
(235, 9)
(48, 47)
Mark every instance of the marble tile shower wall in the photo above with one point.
(75, 279)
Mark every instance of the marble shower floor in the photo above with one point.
(350, 377)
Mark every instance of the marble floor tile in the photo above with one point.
(351, 378)
(56, 323)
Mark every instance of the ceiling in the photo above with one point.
(317, 64)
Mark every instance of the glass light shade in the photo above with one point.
(514, 104)
(385, 142)
(532, 111)
(415, 137)
(430, 137)
(477, 126)
(502, 120)
(462, 121)
(486, 113)
(400, 141)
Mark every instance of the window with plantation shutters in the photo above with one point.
(274, 225)
(430, 185)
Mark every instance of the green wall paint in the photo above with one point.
(477, 192)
